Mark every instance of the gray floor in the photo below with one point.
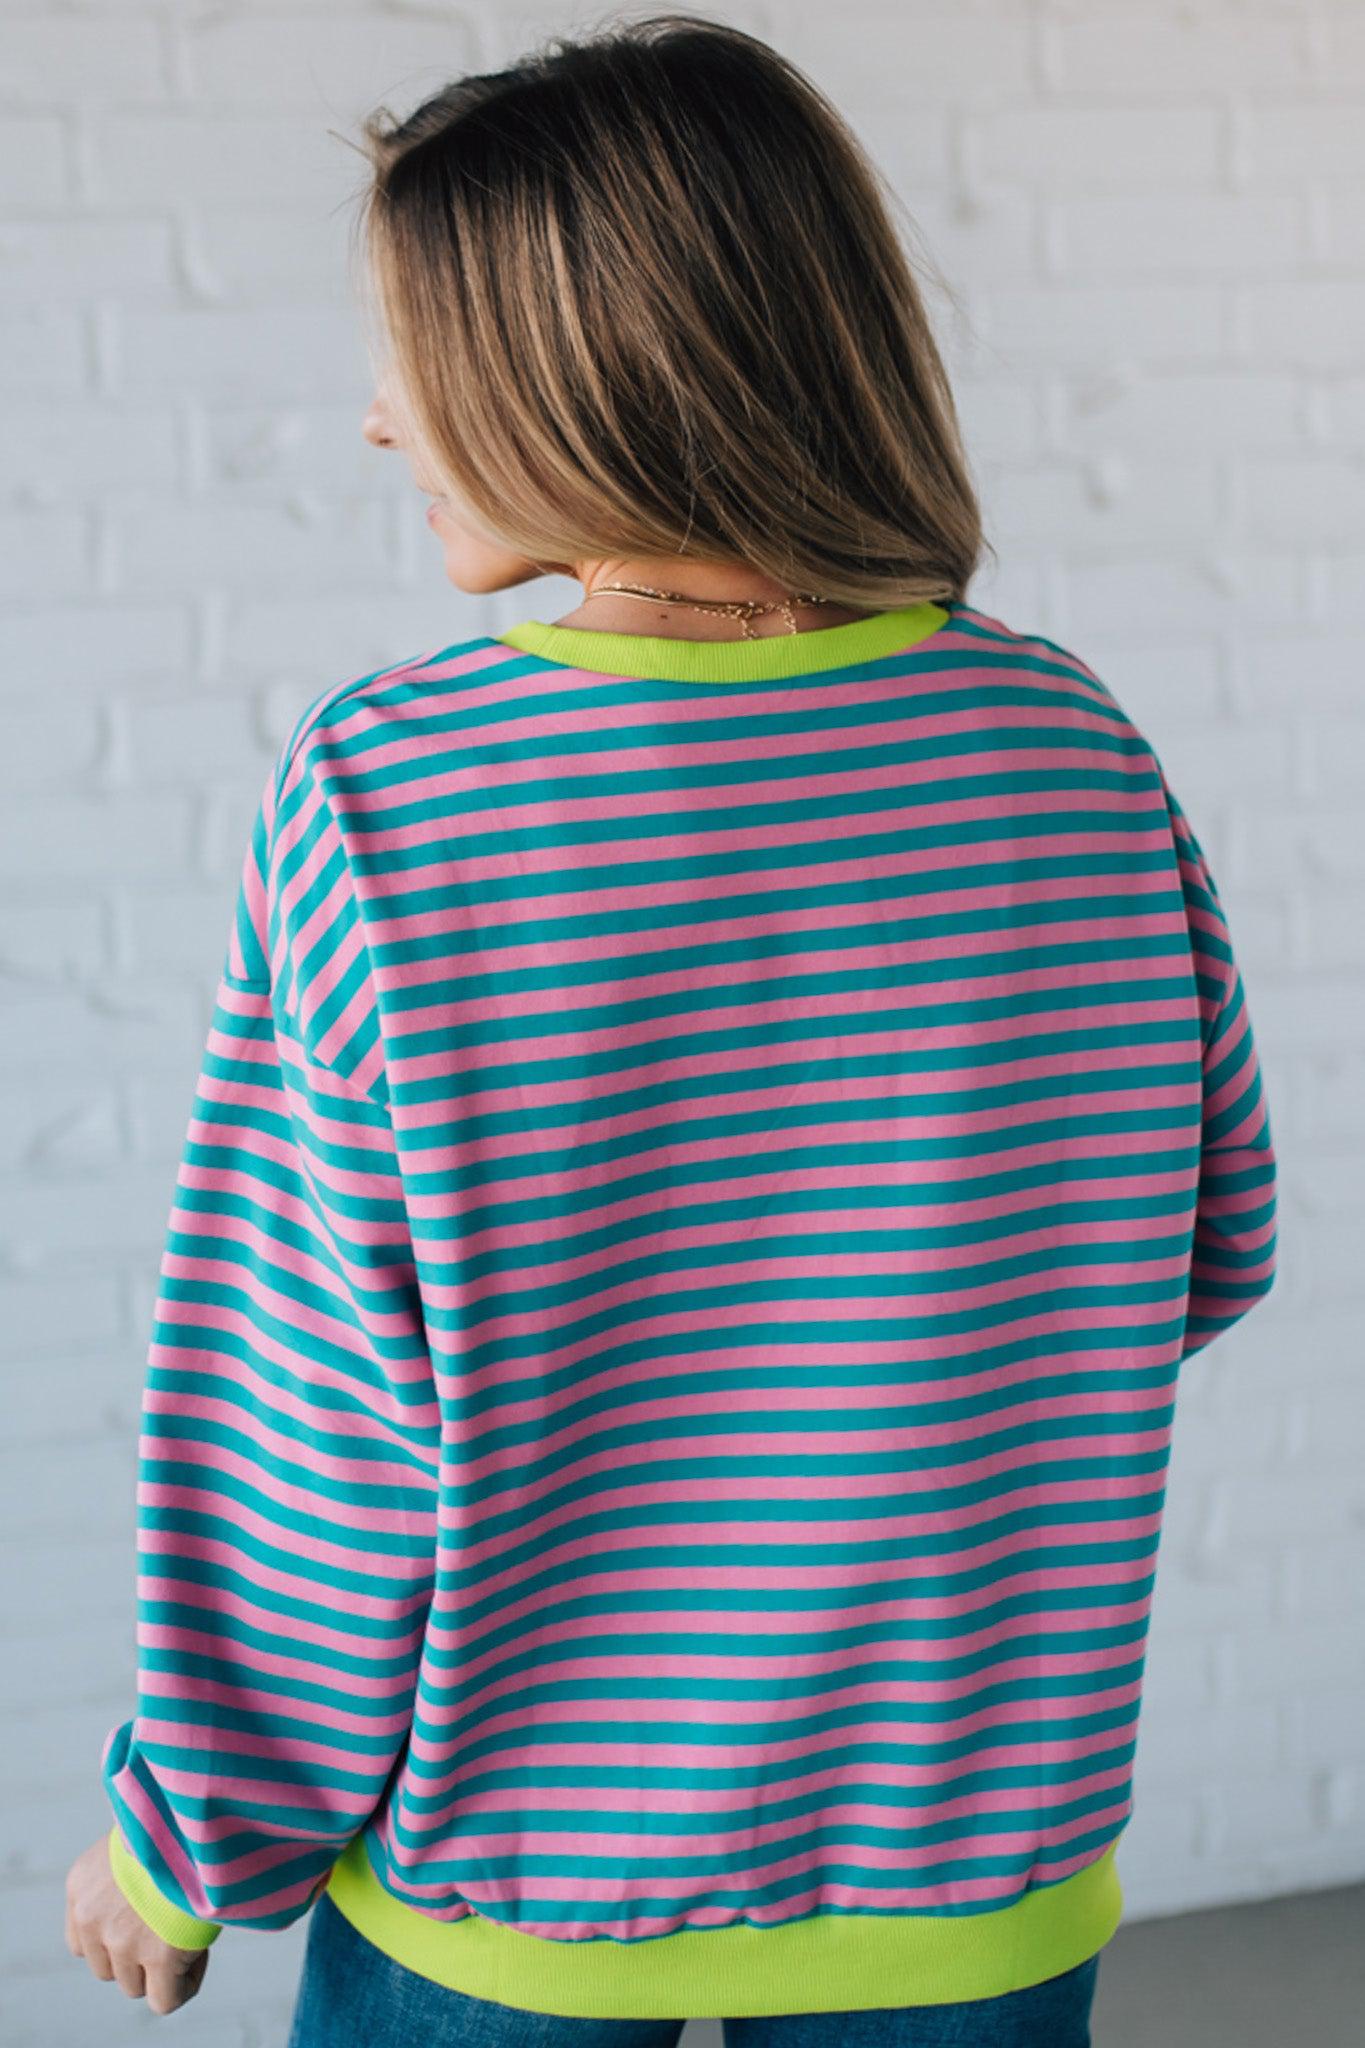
(1283, 1973)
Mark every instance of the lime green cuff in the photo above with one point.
(162, 1915)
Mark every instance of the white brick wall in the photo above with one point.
(1150, 215)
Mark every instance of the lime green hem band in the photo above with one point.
(825, 1962)
(161, 1914)
(656, 658)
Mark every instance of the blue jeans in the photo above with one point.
(351, 1995)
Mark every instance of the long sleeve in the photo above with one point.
(1234, 1255)
(289, 1440)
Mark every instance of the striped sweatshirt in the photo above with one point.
(707, 1162)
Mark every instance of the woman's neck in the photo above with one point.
(609, 612)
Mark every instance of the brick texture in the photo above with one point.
(1150, 215)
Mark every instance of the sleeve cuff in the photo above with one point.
(162, 1915)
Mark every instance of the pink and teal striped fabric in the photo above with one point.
(663, 1373)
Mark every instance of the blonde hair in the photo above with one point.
(643, 295)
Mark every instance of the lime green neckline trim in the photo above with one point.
(656, 658)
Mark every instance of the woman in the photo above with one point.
(724, 1116)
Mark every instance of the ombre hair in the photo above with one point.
(641, 294)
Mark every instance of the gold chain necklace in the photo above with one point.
(745, 609)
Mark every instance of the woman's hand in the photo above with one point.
(118, 1945)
